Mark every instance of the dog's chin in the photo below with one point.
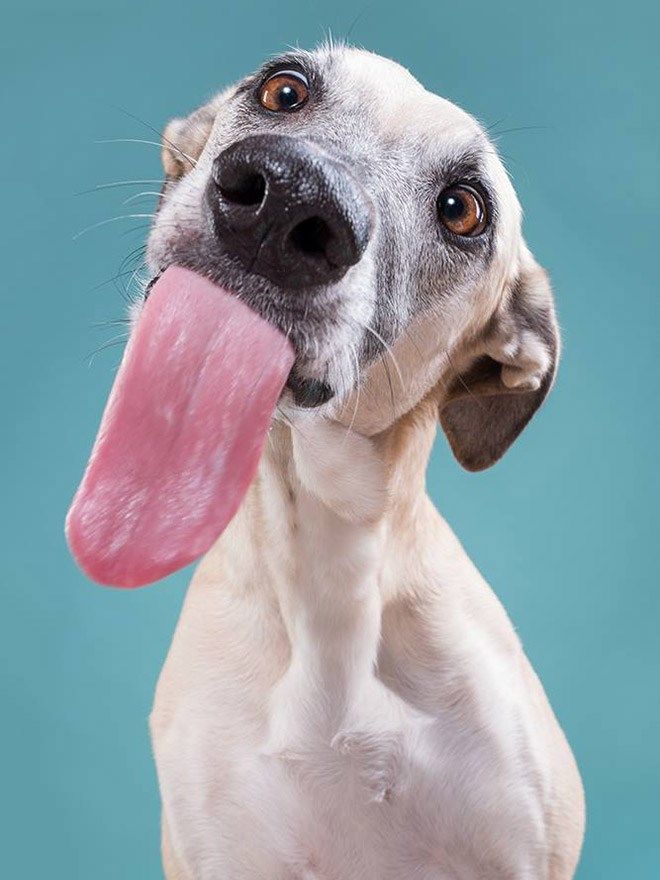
(308, 393)
(292, 413)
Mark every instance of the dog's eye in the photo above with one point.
(462, 210)
(284, 91)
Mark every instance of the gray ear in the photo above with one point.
(184, 140)
(507, 376)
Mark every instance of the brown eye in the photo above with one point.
(284, 91)
(462, 210)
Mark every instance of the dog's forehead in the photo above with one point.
(430, 128)
(399, 103)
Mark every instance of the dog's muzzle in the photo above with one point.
(287, 211)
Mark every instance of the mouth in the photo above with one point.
(307, 392)
(182, 433)
(206, 366)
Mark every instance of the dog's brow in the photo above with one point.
(467, 164)
(297, 60)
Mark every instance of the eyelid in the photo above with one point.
(471, 183)
(279, 70)
(287, 71)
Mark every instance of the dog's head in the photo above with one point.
(373, 223)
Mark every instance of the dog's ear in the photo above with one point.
(507, 374)
(184, 140)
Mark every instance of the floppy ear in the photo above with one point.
(507, 375)
(184, 140)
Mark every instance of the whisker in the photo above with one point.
(460, 378)
(111, 343)
(360, 15)
(388, 350)
(110, 280)
(133, 229)
(151, 127)
(128, 141)
(284, 417)
(149, 143)
(172, 225)
(110, 220)
(170, 200)
(139, 294)
(140, 195)
(111, 322)
(518, 128)
(117, 183)
(135, 256)
(358, 383)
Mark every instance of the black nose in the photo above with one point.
(287, 211)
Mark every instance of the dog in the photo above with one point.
(344, 696)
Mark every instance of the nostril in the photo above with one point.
(312, 237)
(286, 212)
(247, 189)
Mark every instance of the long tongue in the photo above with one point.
(181, 435)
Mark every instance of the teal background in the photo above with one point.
(565, 527)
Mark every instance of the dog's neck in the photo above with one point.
(324, 490)
(329, 525)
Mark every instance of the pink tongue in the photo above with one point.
(181, 435)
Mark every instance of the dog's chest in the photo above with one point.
(330, 773)
(391, 794)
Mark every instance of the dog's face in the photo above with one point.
(374, 224)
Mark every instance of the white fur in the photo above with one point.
(283, 753)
